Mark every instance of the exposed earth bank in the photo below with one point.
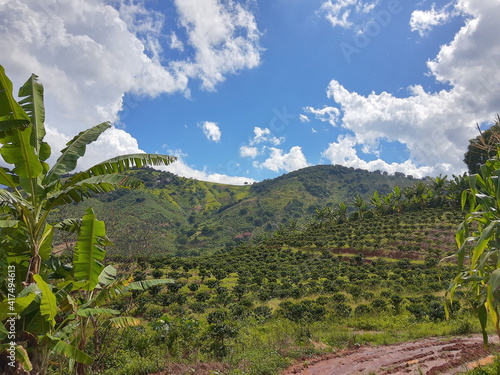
(431, 356)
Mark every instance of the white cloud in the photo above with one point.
(263, 135)
(180, 168)
(90, 53)
(304, 118)
(340, 12)
(343, 152)
(175, 43)
(278, 160)
(325, 114)
(111, 143)
(434, 126)
(249, 152)
(224, 36)
(211, 131)
(423, 21)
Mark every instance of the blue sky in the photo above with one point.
(242, 91)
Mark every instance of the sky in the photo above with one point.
(242, 91)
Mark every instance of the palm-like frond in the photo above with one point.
(69, 225)
(8, 178)
(33, 105)
(88, 251)
(75, 149)
(146, 284)
(13, 200)
(19, 151)
(12, 115)
(70, 351)
(48, 303)
(83, 189)
(124, 321)
(123, 163)
(96, 311)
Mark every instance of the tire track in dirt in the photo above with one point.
(431, 356)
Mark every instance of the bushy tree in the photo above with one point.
(483, 147)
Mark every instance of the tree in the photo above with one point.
(43, 288)
(439, 189)
(483, 147)
(478, 244)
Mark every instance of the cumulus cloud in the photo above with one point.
(280, 161)
(90, 53)
(181, 168)
(343, 152)
(263, 143)
(341, 12)
(264, 135)
(434, 126)
(423, 21)
(325, 114)
(224, 36)
(249, 152)
(211, 131)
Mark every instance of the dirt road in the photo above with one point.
(432, 356)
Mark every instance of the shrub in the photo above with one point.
(362, 309)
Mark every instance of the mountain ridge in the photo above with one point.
(183, 216)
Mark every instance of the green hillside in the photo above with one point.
(175, 215)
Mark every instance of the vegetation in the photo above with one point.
(50, 307)
(256, 309)
(185, 217)
(315, 260)
(477, 239)
(483, 147)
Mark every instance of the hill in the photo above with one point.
(181, 216)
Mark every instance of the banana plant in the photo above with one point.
(31, 191)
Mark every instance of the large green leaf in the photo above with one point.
(75, 149)
(48, 303)
(107, 276)
(32, 92)
(46, 242)
(124, 321)
(69, 225)
(146, 284)
(12, 199)
(70, 351)
(19, 151)
(96, 311)
(8, 178)
(123, 163)
(88, 250)
(21, 303)
(482, 242)
(12, 115)
(93, 185)
(5, 223)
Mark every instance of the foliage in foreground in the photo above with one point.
(478, 241)
(48, 307)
